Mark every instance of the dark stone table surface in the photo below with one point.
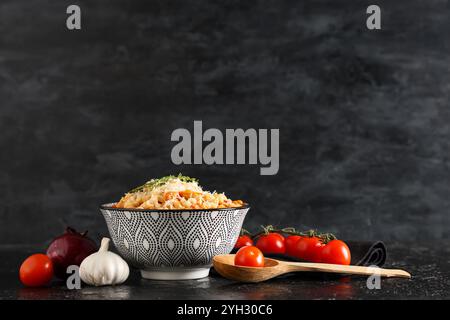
(428, 264)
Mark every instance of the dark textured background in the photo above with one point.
(363, 115)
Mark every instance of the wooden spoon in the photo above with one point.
(224, 265)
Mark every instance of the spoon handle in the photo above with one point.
(337, 268)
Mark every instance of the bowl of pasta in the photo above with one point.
(170, 228)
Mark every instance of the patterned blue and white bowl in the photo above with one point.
(173, 244)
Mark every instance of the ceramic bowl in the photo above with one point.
(173, 244)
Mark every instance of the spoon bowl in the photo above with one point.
(224, 265)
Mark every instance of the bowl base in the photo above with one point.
(175, 274)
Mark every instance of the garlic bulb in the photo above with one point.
(104, 267)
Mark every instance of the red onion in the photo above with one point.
(68, 249)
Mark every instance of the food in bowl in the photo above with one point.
(167, 242)
(175, 192)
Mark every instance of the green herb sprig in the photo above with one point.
(154, 183)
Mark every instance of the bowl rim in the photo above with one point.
(107, 206)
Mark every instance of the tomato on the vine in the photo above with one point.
(309, 249)
(272, 243)
(336, 252)
(290, 243)
(249, 256)
(243, 241)
(36, 270)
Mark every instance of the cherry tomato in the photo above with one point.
(249, 256)
(272, 243)
(36, 270)
(243, 241)
(291, 242)
(309, 249)
(337, 252)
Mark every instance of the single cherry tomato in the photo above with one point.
(243, 241)
(309, 249)
(272, 243)
(290, 243)
(249, 256)
(336, 252)
(36, 270)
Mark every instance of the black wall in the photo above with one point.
(363, 115)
